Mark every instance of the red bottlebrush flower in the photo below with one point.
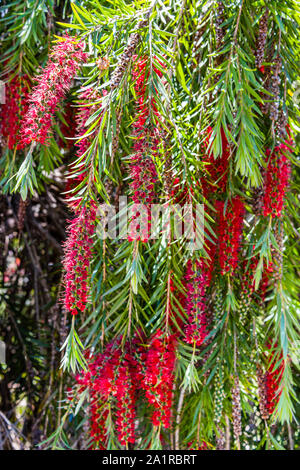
(196, 282)
(229, 233)
(65, 60)
(273, 378)
(78, 253)
(137, 358)
(159, 377)
(213, 183)
(114, 377)
(143, 173)
(125, 397)
(144, 104)
(248, 281)
(180, 195)
(216, 169)
(276, 180)
(99, 415)
(13, 110)
(111, 382)
(98, 409)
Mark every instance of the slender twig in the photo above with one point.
(178, 417)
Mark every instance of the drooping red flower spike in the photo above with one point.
(55, 81)
(142, 168)
(230, 224)
(276, 180)
(111, 382)
(13, 110)
(78, 255)
(97, 379)
(125, 396)
(196, 282)
(273, 378)
(159, 377)
(215, 169)
(213, 183)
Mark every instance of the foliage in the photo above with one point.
(172, 88)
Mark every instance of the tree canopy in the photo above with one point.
(176, 338)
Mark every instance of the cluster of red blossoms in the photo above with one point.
(115, 377)
(13, 110)
(109, 380)
(213, 184)
(78, 253)
(216, 169)
(276, 180)
(143, 173)
(65, 60)
(248, 281)
(159, 377)
(125, 396)
(230, 226)
(196, 282)
(273, 378)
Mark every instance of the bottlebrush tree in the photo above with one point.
(129, 340)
